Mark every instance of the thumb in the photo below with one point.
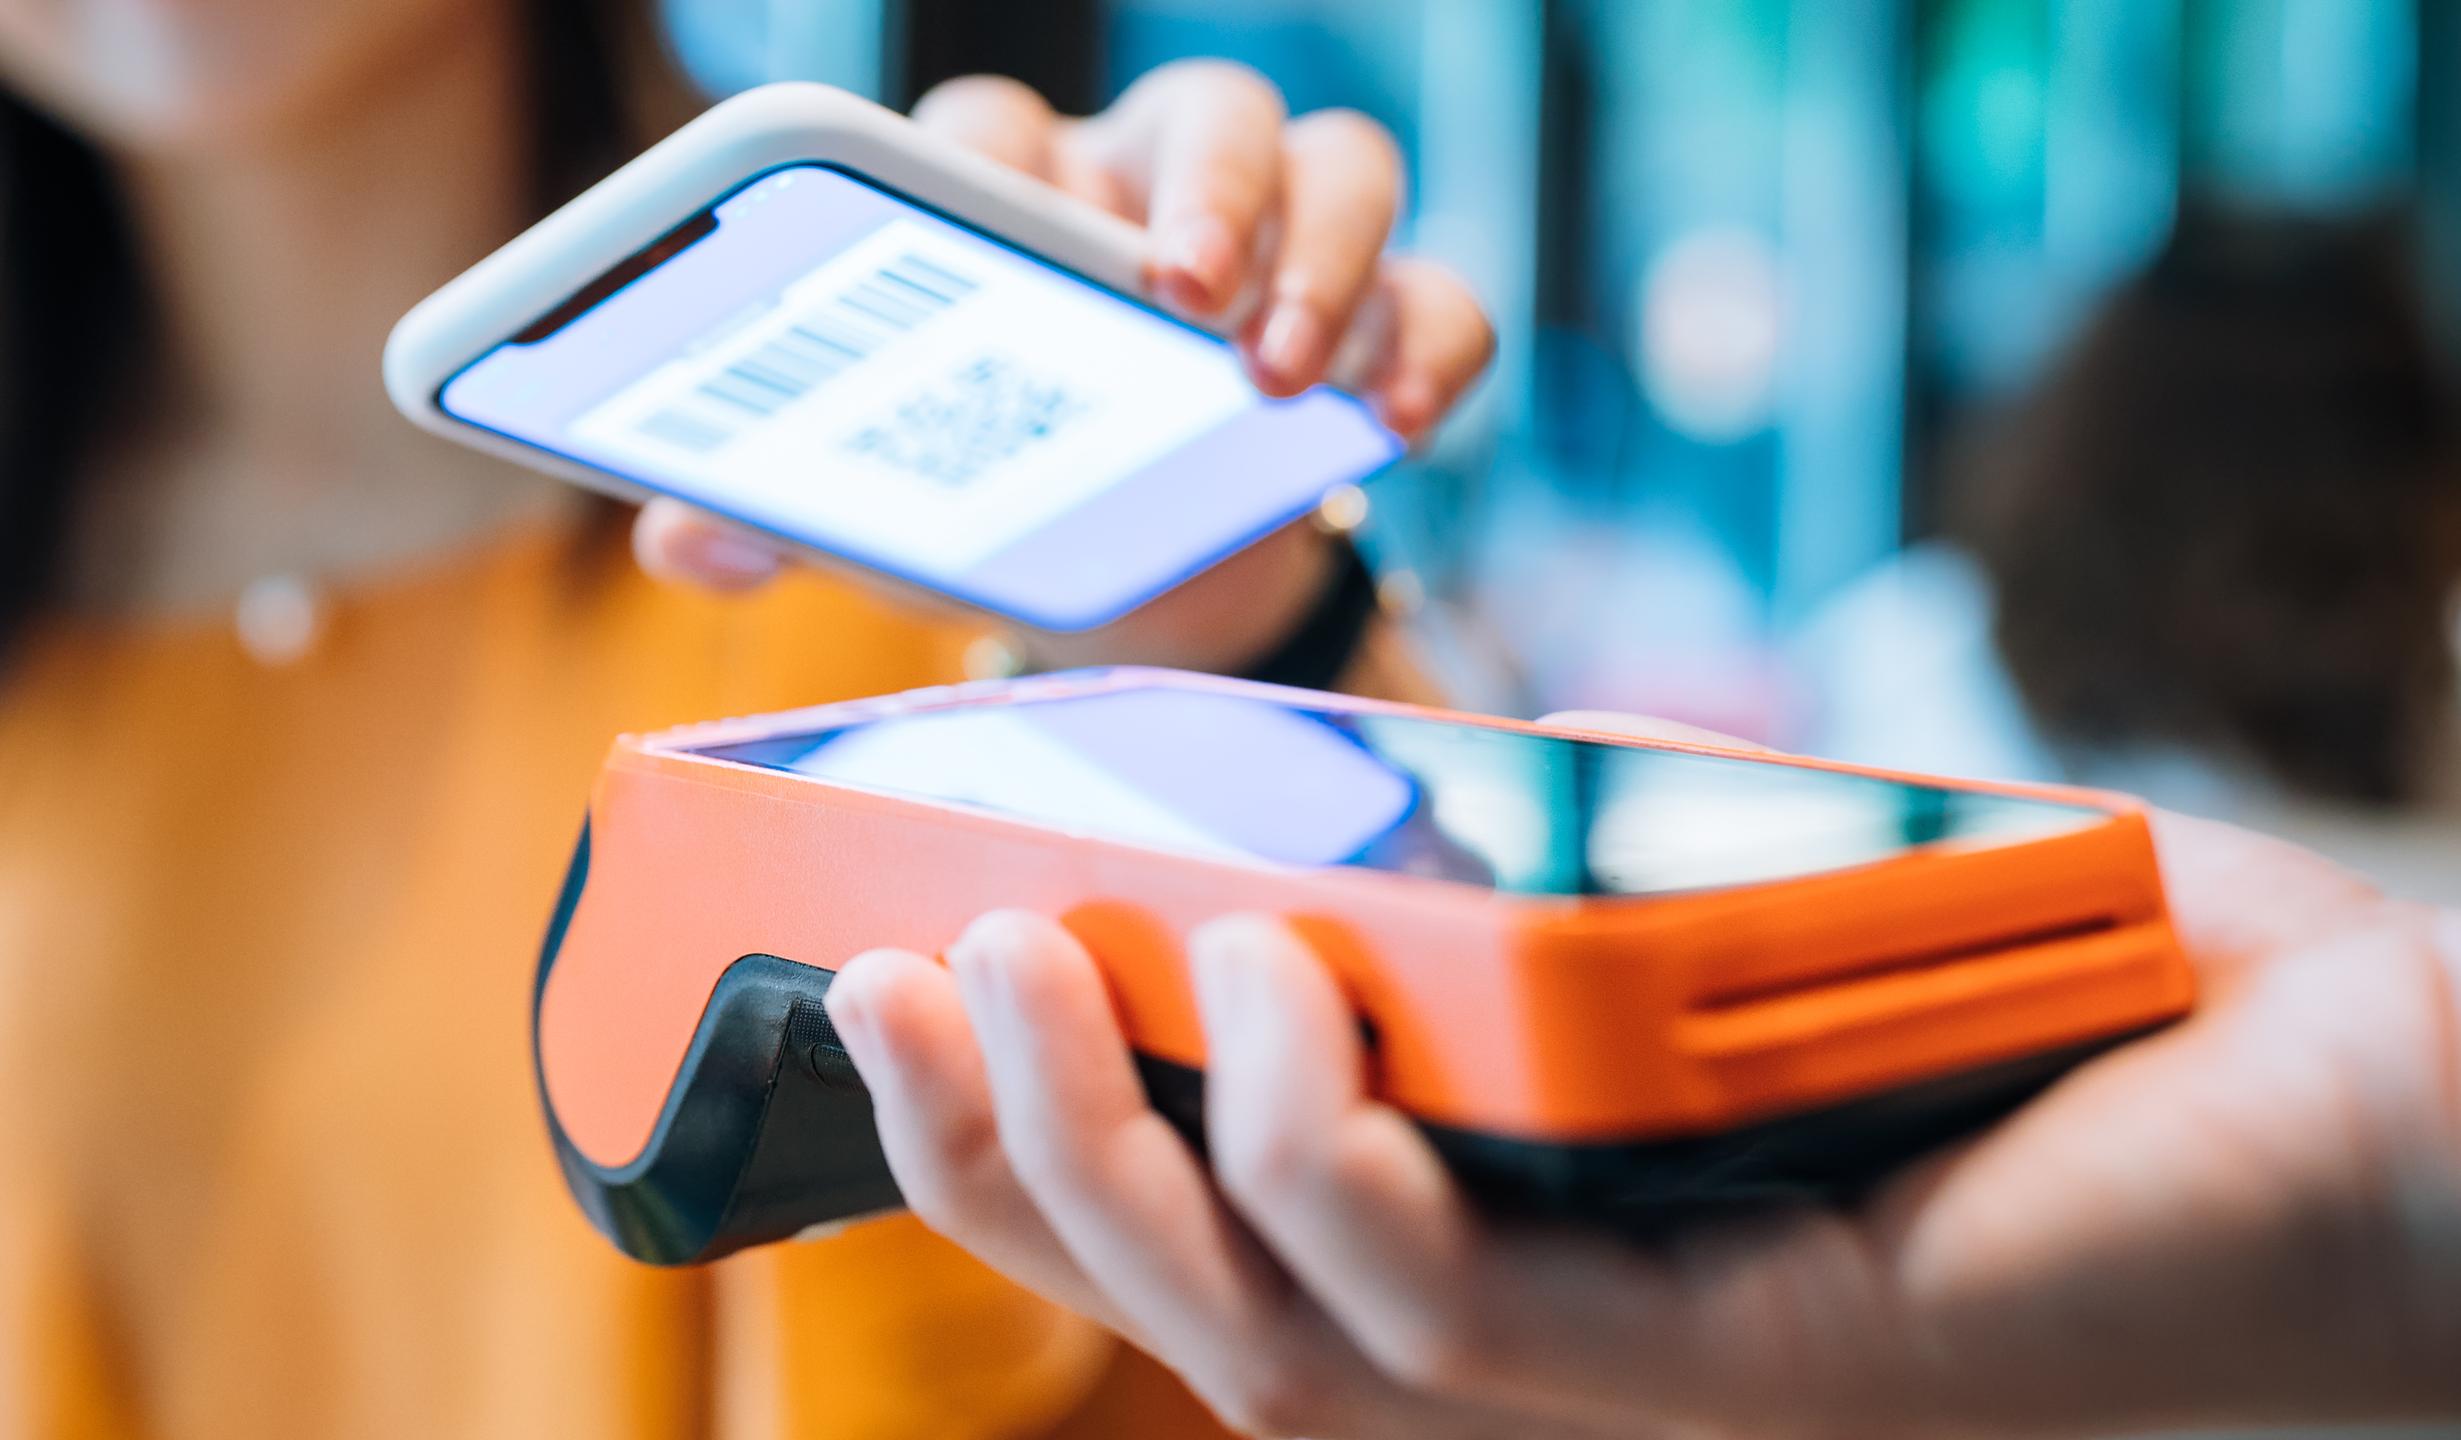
(673, 541)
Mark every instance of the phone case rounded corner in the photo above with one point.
(412, 368)
(786, 110)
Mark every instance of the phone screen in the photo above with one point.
(1242, 776)
(842, 366)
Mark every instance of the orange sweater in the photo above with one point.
(270, 1161)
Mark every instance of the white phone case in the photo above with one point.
(756, 131)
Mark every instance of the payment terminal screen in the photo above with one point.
(840, 366)
(1239, 776)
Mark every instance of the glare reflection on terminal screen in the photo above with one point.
(1212, 773)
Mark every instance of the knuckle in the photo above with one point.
(1225, 79)
(993, 115)
(1448, 304)
(1344, 127)
(1051, 1167)
(969, 92)
(1008, 932)
(1239, 180)
(962, 1185)
(1482, 349)
(1263, 1165)
(1448, 290)
(1435, 1353)
(936, 1201)
(1267, 1391)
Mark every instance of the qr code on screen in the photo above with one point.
(976, 417)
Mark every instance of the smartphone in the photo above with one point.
(803, 313)
(1612, 980)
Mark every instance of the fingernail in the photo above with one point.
(848, 1004)
(1293, 342)
(979, 959)
(854, 1029)
(1201, 255)
(1231, 984)
(735, 556)
(1408, 407)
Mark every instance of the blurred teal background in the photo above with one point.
(1752, 260)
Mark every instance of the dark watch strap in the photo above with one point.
(1314, 655)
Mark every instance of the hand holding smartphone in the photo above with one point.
(804, 314)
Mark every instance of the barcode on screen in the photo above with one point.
(822, 342)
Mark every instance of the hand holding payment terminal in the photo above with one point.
(1613, 979)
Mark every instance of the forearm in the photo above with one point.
(1289, 593)
(2434, 1201)
(1221, 621)
(1387, 667)
(2383, 1253)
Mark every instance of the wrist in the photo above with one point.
(2435, 1219)
(1224, 620)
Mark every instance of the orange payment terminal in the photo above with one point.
(1612, 979)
